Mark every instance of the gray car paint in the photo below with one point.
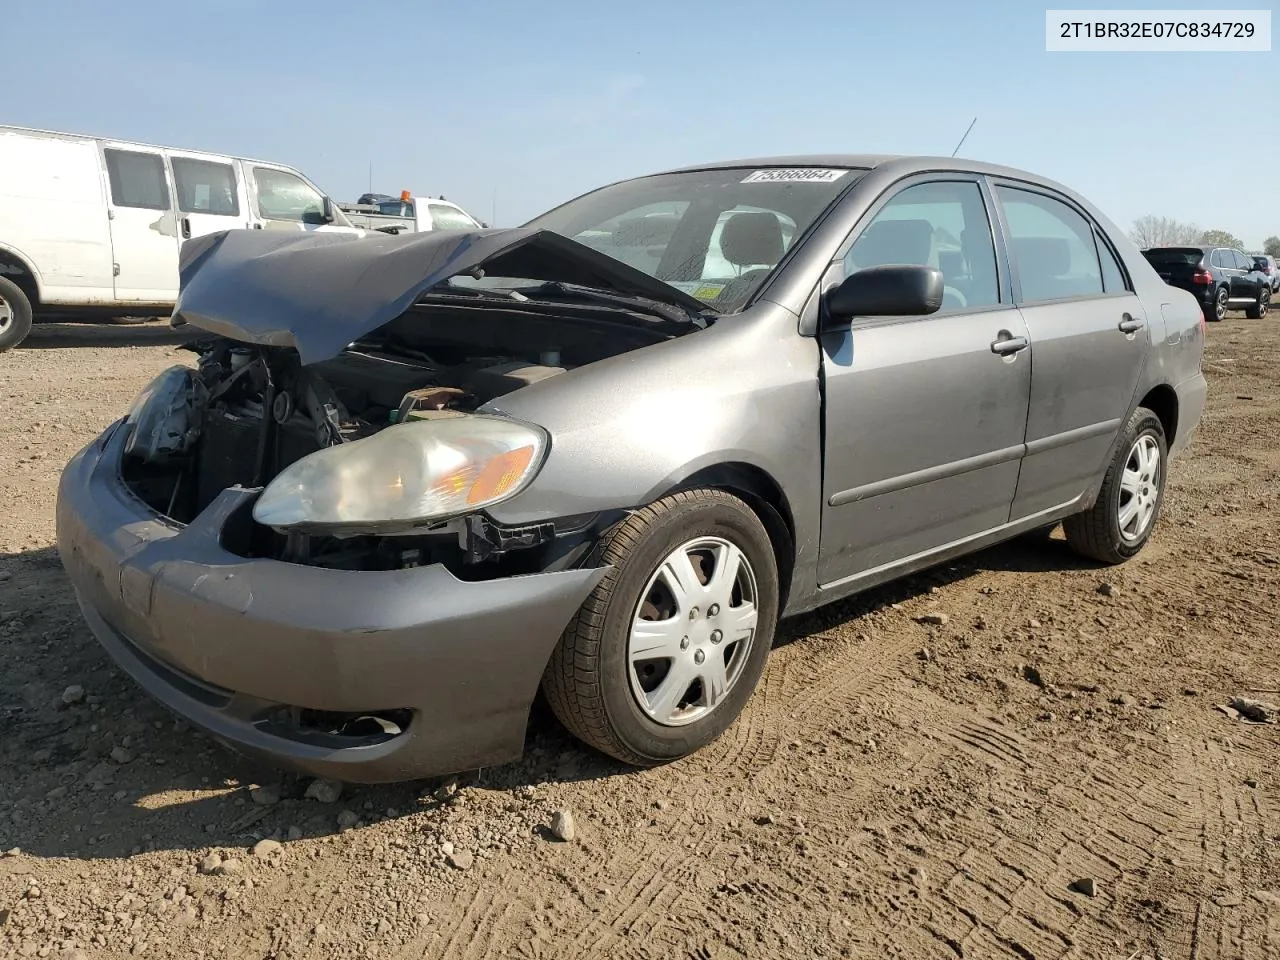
(907, 484)
(746, 391)
(317, 292)
(221, 639)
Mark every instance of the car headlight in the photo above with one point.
(164, 418)
(405, 475)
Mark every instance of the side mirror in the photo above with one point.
(327, 214)
(894, 290)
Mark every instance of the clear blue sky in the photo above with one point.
(540, 102)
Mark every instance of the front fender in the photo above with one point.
(626, 430)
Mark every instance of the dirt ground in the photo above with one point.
(894, 789)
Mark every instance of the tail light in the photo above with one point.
(1201, 276)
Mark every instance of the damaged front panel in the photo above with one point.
(324, 339)
(317, 292)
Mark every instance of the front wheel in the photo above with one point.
(666, 651)
(1259, 309)
(15, 315)
(1120, 521)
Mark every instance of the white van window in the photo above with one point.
(283, 196)
(137, 179)
(448, 218)
(206, 187)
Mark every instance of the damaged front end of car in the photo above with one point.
(356, 390)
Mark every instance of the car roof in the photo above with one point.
(902, 164)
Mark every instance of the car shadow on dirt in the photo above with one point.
(94, 768)
(1041, 551)
(118, 333)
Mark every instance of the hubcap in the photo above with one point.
(1222, 304)
(6, 313)
(692, 631)
(1139, 488)
(1264, 302)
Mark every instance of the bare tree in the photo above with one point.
(1153, 231)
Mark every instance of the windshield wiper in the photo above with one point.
(557, 288)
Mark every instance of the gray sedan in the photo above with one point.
(408, 481)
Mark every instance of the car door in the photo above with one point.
(924, 417)
(1089, 335)
(210, 196)
(1250, 277)
(1225, 262)
(282, 200)
(144, 231)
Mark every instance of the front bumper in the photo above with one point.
(239, 646)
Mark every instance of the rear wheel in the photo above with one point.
(15, 314)
(666, 651)
(1120, 521)
(1259, 310)
(1217, 310)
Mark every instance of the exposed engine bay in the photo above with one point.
(249, 411)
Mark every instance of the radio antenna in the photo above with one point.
(965, 137)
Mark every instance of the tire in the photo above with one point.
(596, 682)
(15, 315)
(1217, 311)
(1096, 533)
(1258, 310)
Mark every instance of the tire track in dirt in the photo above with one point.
(1229, 922)
(836, 670)
(750, 744)
(1008, 896)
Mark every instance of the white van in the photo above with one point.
(90, 226)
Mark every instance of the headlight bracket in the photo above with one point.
(486, 539)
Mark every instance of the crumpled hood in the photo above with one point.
(317, 292)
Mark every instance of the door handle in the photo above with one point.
(1005, 344)
(1129, 325)
(186, 228)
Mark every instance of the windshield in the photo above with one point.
(1186, 255)
(715, 234)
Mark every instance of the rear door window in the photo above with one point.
(137, 179)
(1112, 276)
(1052, 246)
(205, 186)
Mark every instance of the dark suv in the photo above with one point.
(1221, 278)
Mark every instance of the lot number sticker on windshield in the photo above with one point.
(794, 175)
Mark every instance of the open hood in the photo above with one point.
(317, 292)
